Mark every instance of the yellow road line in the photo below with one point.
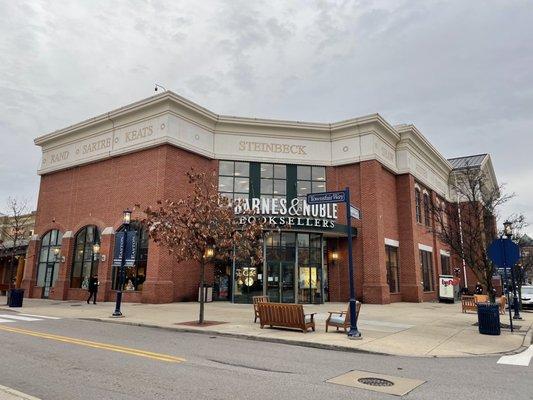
(97, 345)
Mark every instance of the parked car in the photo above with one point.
(527, 297)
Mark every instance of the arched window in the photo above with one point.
(136, 275)
(48, 265)
(84, 263)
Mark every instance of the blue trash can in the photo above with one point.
(15, 297)
(488, 316)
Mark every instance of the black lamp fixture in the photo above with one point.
(126, 217)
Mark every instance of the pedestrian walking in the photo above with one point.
(479, 288)
(93, 288)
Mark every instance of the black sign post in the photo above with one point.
(343, 196)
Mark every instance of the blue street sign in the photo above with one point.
(504, 253)
(327, 197)
(130, 247)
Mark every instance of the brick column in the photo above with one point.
(105, 269)
(158, 286)
(375, 288)
(410, 276)
(60, 289)
(29, 279)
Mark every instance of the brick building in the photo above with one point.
(138, 154)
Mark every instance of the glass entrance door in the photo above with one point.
(48, 276)
(280, 281)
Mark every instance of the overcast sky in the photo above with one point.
(461, 71)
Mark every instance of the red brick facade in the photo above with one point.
(97, 194)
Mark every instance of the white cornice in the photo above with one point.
(172, 119)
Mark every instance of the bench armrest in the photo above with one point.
(311, 314)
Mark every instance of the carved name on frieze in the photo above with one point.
(136, 134)
(59, 156)
(95, 146)
(265, 147)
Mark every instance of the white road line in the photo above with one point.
(38, 316)
(5, 320)
(18, 318)
(523, 358)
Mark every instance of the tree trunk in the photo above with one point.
(202, 292)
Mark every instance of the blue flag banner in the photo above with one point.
(130, 248)
(504, 253)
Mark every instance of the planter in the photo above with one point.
(488, 316)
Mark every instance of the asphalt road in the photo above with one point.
(74, 359)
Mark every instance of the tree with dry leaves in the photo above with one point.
(203, 226)
(13, 230)
(468, 225)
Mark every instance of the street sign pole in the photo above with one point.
(354, 332)
(507, 286)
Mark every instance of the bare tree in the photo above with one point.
(468, 225)
(13, 232)
(202, 227)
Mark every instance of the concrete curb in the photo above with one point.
(240, 336)
(15, 393)
(300, 343)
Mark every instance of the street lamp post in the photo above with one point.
(508, 232)
(126, 219)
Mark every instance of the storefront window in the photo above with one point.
(135, 275)
(309, 268)
(393, 272)
(248, 281)
(234, 179)
(428, 277)
(84, 263)
(48, 265)
(310, 180)
(273, 181)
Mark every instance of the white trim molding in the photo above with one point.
(392, 242)
(445, 253)
(425, 247)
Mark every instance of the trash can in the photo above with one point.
(208, 293)
(488, 316)
(15, 297)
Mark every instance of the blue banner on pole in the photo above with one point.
(130, 248)
(504, 253)
(326, 197)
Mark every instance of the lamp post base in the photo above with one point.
(354, 334)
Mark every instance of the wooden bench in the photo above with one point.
(468, 303)
(256, 300)
(285, 315)
(341, 319)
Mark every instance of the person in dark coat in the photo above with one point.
(479, 288)
(93, 288)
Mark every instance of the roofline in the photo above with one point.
(214, 117)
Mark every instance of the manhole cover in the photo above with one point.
(371, 381)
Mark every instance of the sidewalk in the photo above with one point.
(409, 329)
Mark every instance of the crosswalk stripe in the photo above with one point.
(38, 316)
(5, 320)
(522, 359)
(18, 318)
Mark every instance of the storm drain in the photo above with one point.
(395, 385)
(371, 381)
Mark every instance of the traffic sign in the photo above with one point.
(504, 253)
(355, 212)
(326, 197)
